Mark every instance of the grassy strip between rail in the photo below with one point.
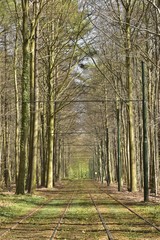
(12, 207)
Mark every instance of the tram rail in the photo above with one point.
(24, 218)
(109, 235)
(140, 216)
(92, 196)
(61, 218)
(129, 209)
(30, 214)
(59, 225)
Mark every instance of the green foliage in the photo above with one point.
(79, 170)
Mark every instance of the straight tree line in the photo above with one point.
(42, 43)
(127, 34)
(39, 55)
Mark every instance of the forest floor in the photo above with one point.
(80, 209)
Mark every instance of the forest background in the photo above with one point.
(66, 64)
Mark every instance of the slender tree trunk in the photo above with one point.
(51, 109)
(34, 109)
(17, 125)
(20, 188)
(156, 101)
(50, 129)
(130, 103)
(43, 150)
(6, 127)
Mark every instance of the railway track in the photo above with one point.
(82, 226)
(14, 225)
(61, 218)
(108, 228)
(131, 210)
(11, 227)
(109, 235)
(82, 210)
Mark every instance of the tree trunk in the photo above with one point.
(34, 110)
(50, 129)
(20, 188)
(17, 125)
(130, 103)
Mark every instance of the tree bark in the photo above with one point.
(34, 113)
(130, 100)
(20, 188)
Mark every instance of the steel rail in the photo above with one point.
(62, 217)
(109, 235)
(24, 218)
(132, 211)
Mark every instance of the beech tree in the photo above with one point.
(28, 35)
(55, 52)
(121, 29)
(6, 95)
